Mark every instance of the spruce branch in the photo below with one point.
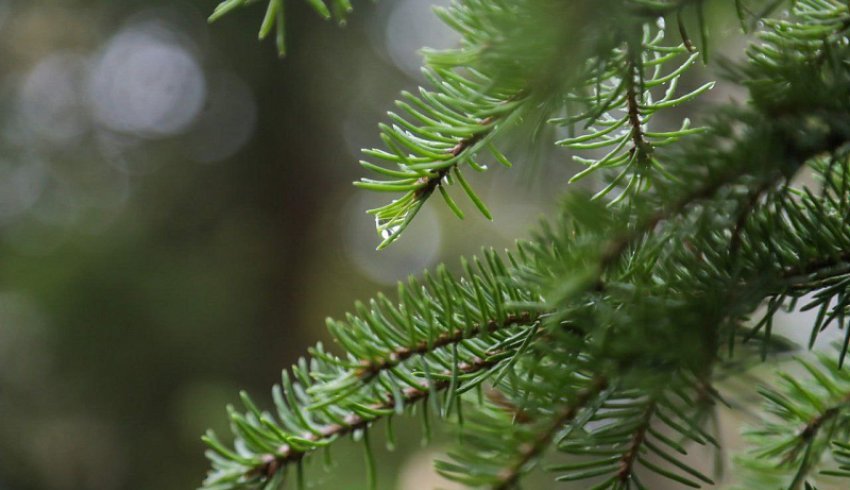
(445, 335)
(614, 103)
(602, 334)
(807, 416)
(275, 20)
(627, 462)
(818, 265)
(473, 102)
(369, 368)
(629, 434)
(503, 442)
(819, 269)
(270, 464)
(717, 173)
(634, 78)
(508, 476)
(841, 453)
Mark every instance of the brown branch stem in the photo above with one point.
(432, 182)
(627, 463)
(286, 454)
(511, 474)
(810, 431)
(369, 369)
(640, 146)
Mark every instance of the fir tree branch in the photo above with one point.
(808, 461)
(444, 335)
(368, 369)
(841, 452)
(271, 463)
(627, 462)
(430, 183)
(624, 437)
(509, 476)
(615, 102)
(810, 431)
(275, 20)
(640, 146)
(442, 129)
(797, 157)
(643, 281)
(634, 82)
(744, 213)
(804, 274)
(807, 416)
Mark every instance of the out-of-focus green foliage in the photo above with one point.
(275, 18)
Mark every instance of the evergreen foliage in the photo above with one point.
(275, 17)
(595, 348)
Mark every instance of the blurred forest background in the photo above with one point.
(177, 220)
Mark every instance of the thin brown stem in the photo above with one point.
(619, 245)
(811, 429)
(744, 214)
(370, 368)
(568, 412)
(627, 463)
(641, 147)
(432, 182)
(806, 438)
(353, 422)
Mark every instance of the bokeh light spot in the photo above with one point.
(145, 82)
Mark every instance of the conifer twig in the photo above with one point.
(624, 474)
(370, 368)
(509, 476)
(354, 422)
